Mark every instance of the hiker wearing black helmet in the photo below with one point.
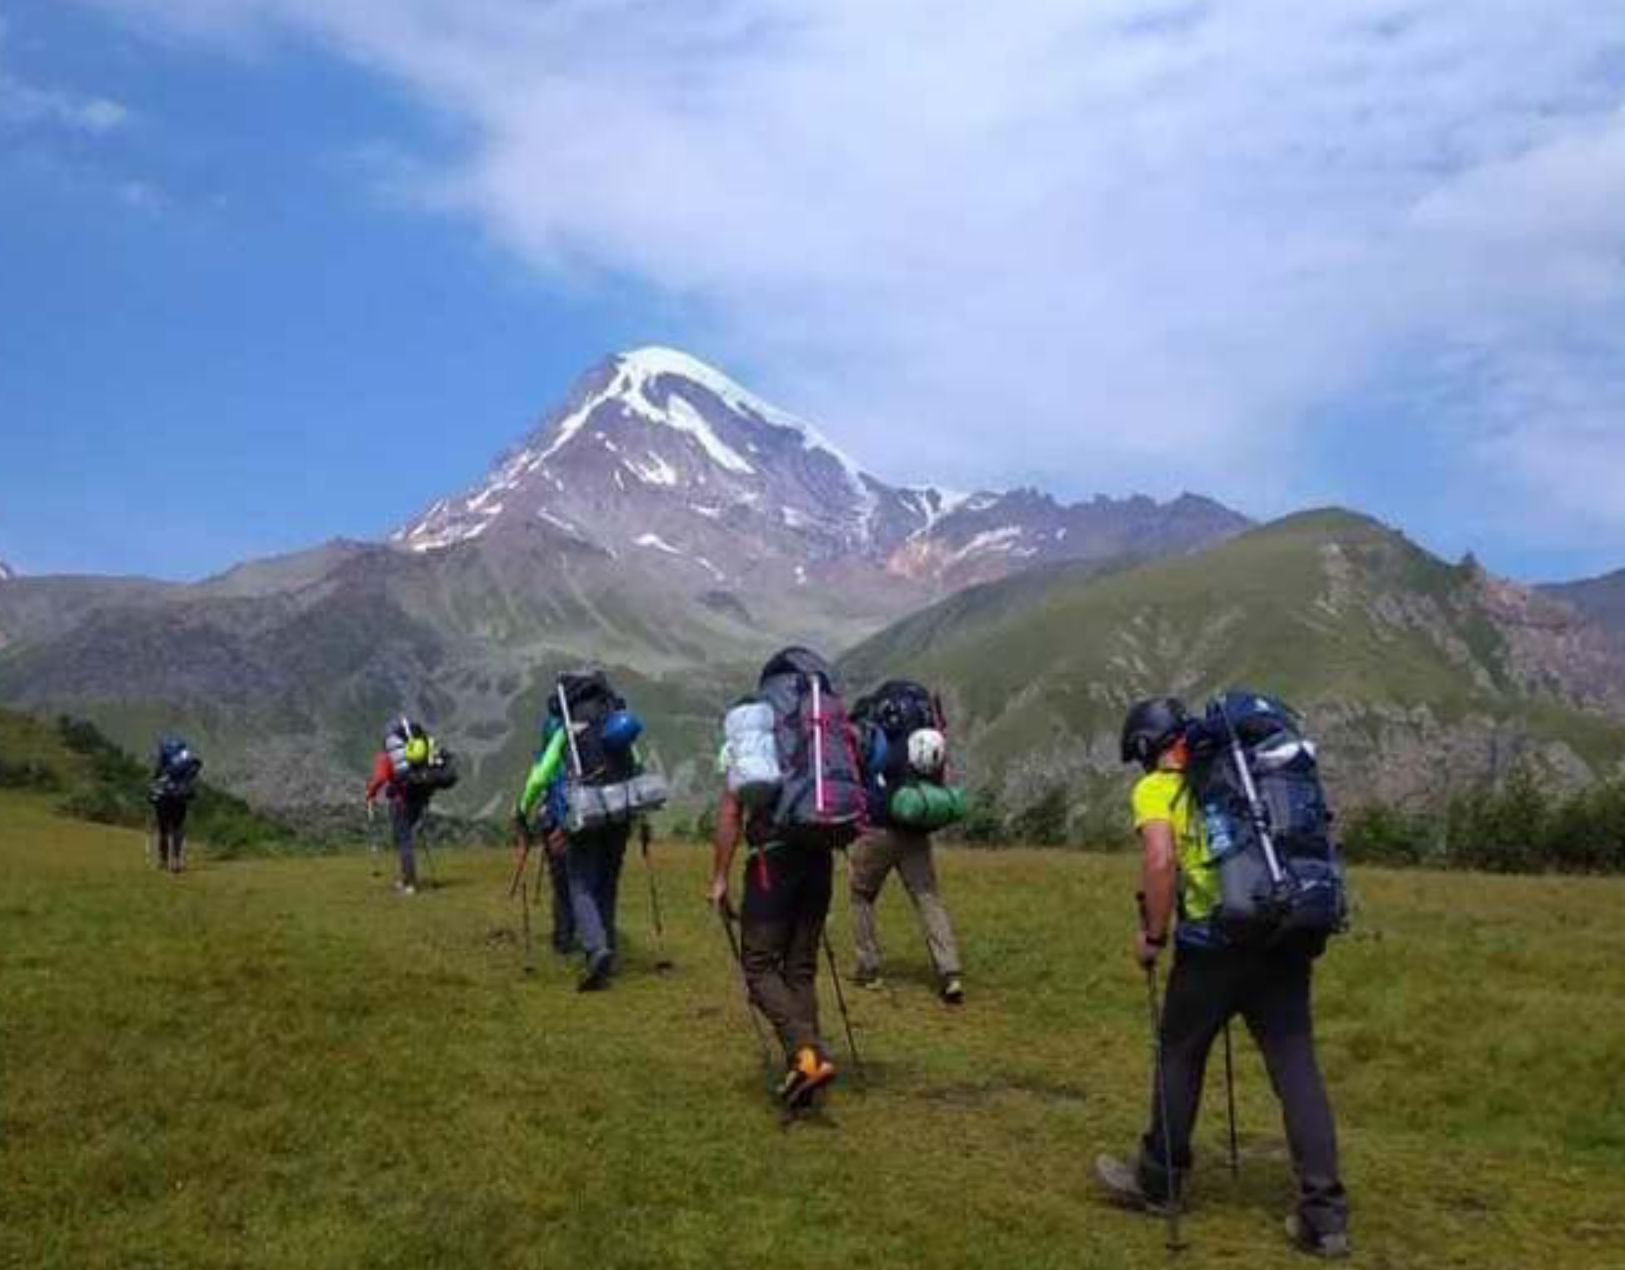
(1215, 977)
(174, 781)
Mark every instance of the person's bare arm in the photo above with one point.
(730, 824)
(1158, 874)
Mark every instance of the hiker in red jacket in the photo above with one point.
(407, 802)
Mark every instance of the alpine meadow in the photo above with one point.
(815, 634)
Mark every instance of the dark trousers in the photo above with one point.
(1270, 991)
(171, 814)
(564, 921)
(781, 925)
(404, 816)
(592, 864)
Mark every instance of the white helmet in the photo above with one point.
(927, 751)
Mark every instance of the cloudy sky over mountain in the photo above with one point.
(1281, 253)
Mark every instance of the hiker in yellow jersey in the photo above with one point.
(1213, 980)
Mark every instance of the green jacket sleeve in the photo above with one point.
(542, 774)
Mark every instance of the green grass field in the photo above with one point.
(281, 1063)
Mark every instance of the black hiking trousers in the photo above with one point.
(781, 925)
(171, 816)
(1270, 991)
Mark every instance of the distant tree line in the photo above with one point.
(1523, 825)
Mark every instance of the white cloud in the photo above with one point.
(25, 103)
(1134, 244)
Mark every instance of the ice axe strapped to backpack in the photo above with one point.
(604, 783)
(1256, 779)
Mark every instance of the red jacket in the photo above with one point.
(383, 778)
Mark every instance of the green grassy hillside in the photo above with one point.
(281, 1063)
(90, 778)
(1420, 675)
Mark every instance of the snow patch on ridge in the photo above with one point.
(656, 472)
(658, 543)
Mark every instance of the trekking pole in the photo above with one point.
(1174, 1242)
(762, 1042)
(530, 943)
(1230, 1101)
(846, 1018)
(522, 854)
(663, 963)
(428, 856)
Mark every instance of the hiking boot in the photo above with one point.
(1331, 1246)
(1122, 1185)
(810, 1072)
(953, 991)
(596, 976)
(406, 888)
(869, 979)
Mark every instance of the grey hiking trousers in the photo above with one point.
(873, 857)
(1270, 991)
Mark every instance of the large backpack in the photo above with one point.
(402, 732)
(1256, 780)
(899, 794)
(603, 782)
(178, 769)
(821, 800)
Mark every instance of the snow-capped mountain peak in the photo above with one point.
(660, 460)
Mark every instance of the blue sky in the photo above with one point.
(273, 271)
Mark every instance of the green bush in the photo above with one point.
(983, 823)
(1043, 823)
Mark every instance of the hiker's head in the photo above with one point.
(417, 751)
(1154, 733)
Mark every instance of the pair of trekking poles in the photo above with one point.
(1176, 1197)
(663, 963)
(764, 1045)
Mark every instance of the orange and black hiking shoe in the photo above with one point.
(810, 1072)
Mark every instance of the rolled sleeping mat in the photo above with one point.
(752, 753)
(928, 807)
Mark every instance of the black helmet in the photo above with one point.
(1150, 727)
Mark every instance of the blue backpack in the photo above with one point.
(1256, 778)
(178, 768)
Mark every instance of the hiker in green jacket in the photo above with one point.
(542, 789)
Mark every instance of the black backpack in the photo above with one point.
(588, 699)
(1256, 780)
(886, 718)
(821, 802)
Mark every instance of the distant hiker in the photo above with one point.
(590, 775)
(409, 770)
(794, 795)
(1244, 945)
(905, 759)
(175, 773)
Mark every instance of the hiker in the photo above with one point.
(545, 788)
(175, 772)
(1217, 975)
(905, 759)
(590, 774)
(409, 770)
(794, 794)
